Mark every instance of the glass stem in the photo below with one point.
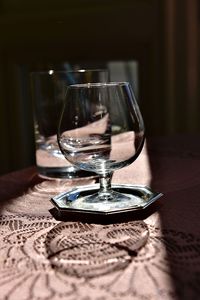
(105, 184)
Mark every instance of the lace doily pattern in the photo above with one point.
(99, 262)
(94, 250)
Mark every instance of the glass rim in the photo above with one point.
(52, 71)
(98, 84)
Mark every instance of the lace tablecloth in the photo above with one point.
(167, 267)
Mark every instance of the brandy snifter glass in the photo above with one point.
(101, 130)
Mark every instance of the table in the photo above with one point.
(167, 267)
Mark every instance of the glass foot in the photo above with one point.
(85, 199)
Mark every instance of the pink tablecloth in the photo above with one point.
(167, 267)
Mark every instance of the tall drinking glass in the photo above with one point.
(48, 90)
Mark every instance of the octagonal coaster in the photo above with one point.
(138, 197)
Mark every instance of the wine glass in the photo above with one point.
(101, 130)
